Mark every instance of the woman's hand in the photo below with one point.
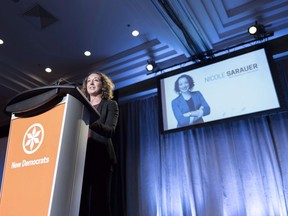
(197, 113)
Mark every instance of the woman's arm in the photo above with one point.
(182, 118)
(107, 128)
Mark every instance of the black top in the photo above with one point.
(104, 128)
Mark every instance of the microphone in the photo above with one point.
(63, 81)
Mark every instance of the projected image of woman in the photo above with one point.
(190, 106)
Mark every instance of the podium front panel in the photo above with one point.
(44, 162)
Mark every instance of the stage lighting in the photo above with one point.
(258, 31)
(151, 65)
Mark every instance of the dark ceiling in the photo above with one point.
(53, 33)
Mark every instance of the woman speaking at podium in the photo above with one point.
(100, 155)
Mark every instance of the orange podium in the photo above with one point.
(46, 150)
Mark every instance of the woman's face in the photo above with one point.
(183, 84)
(94, 84)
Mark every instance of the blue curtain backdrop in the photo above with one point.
(236, 168)
(228, 169)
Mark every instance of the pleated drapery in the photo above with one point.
(233, 168)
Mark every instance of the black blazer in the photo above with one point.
(104, 128)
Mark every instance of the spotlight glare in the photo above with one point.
(1, 41)
(149, 67)
(135, 33)
(48, 70)
(259, 32)
(252, 30)
(87, 53)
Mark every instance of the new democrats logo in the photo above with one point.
(32, 141)
(33, 138)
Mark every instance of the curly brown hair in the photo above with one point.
(107, 86)
(190, 81)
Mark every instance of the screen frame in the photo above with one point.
(273, 71)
